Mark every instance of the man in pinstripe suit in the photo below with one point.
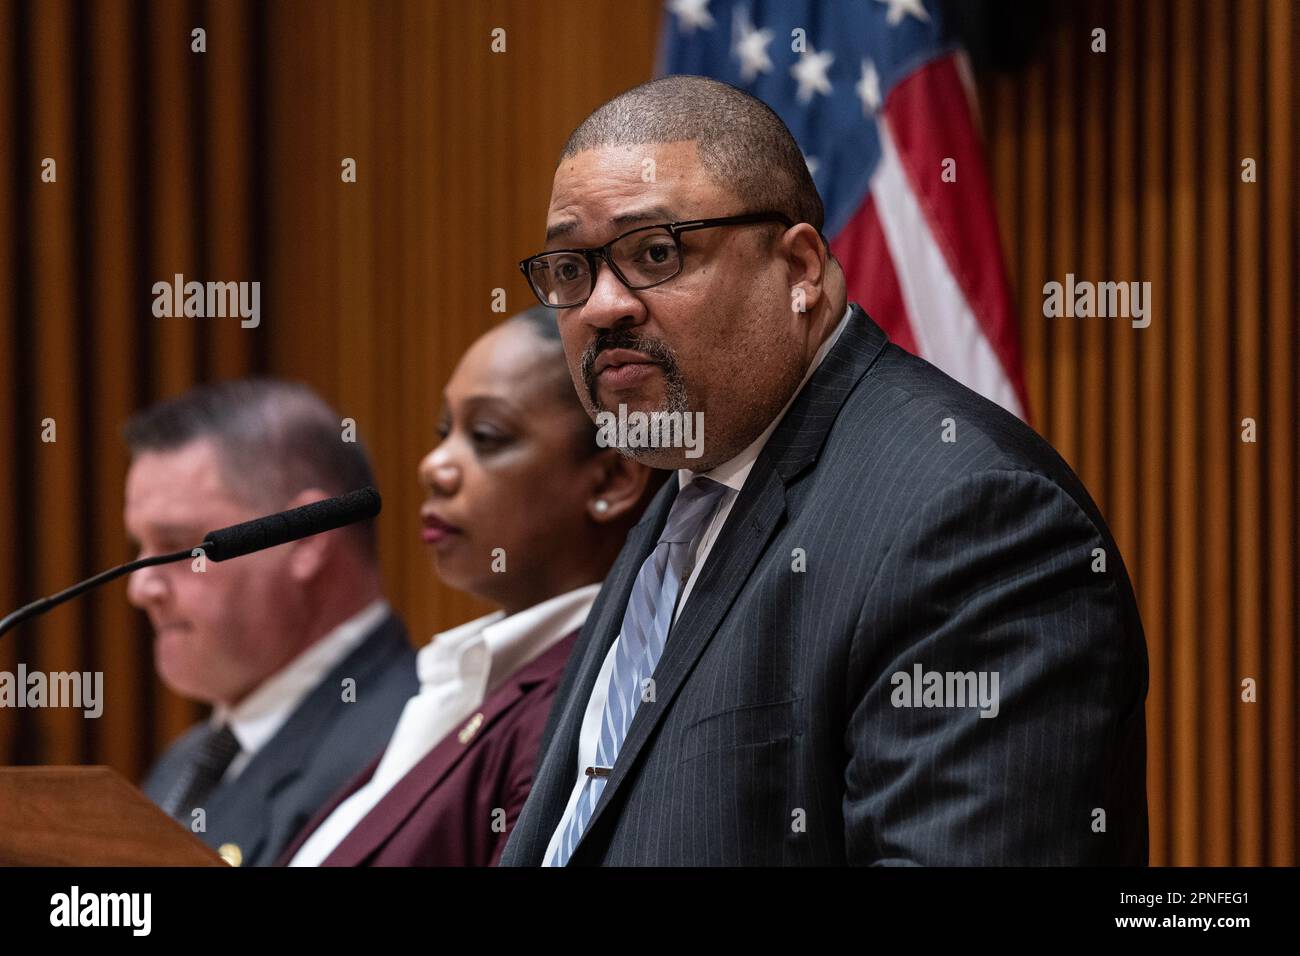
(878, 620)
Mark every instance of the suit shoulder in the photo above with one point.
(351, 712)
(916, 420)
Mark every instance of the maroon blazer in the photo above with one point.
(444, 812)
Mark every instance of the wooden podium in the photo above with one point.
(88, 816)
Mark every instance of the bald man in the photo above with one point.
(867, 622)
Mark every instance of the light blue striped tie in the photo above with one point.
(641, 640)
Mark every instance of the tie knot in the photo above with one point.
(692, 507)
(218, 749)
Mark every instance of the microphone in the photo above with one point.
(231, 542)
(261, 533)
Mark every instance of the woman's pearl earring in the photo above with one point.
(601, 506)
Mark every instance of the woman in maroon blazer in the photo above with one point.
(524, 510)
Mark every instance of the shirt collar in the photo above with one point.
(259, 716)
(734, 472)
(493, 647)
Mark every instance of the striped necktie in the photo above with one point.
(212, 756)
(641, 640)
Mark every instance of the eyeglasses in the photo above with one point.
(641, 258)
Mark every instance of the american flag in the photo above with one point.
(881, 102)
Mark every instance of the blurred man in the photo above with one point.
(303, 662)
(878, 620)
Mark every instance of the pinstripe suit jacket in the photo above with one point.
(778, 733)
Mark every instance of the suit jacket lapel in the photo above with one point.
(392, 811)
(395, 808)
(557, 767)
(754, 517)
(323, 814)
(285, 755)
(744, 537)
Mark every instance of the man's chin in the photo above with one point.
(179, 672)
(184, 683)
(664, 459)
(647, 432)
(639, 400)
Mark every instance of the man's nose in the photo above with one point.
(611, 303)
(145, 587)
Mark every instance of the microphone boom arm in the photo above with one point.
(235, 541)
(41, 605)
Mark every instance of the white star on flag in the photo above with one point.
(868, 89)
(810, 71)
(691, 14)
(751, 47)
(901, 8)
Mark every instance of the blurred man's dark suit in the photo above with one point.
(325, 741)
(772, 738)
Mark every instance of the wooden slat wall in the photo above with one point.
(379, 286)
(1126, 165)
(1282, 272)
(226, 165)
(12, 592)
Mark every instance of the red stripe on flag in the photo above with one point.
(869, 274)
(930, 121)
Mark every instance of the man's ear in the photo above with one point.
(309, 555)
(619, 485)
(805, 257)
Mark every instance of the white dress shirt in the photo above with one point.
(259, 716)
(732, 474)
(458, 669)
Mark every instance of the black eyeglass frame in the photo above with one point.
(675, 229)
